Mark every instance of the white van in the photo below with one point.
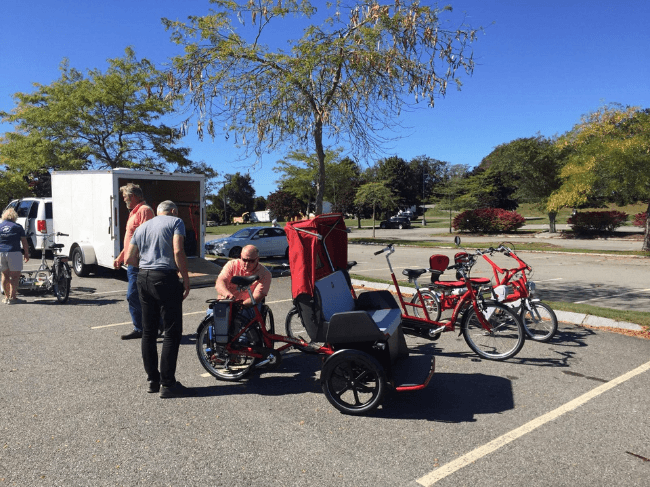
(35, 216)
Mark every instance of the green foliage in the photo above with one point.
(283, 205)
(238, 194)
(102, 120)
(608, 158)
(347, 77)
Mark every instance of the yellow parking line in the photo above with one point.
(451, 467)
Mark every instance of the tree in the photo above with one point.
(376, 194)
(399, 177)
(238, 192)
(283, 205)
(607, 156)
(348, 77)
(102, 120)
(534, 164)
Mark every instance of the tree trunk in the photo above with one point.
(646, 234)
(320, 153)
(551, 221)
(373, 220)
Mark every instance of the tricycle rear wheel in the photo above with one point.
(353, 382)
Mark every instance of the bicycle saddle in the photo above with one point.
(244, 280)
(413, 273)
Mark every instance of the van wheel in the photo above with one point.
(81, 269)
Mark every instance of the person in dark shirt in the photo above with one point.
(12, 235)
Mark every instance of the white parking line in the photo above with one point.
(184, 314)
(451, 467)
(613, 295)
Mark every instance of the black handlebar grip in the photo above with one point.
(379, 252)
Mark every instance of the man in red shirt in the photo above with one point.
(140, 213)
(247, 265)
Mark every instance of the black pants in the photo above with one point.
(161, 296)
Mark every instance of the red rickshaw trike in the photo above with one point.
(359, 337)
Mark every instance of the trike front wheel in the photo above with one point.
(353, 382)
(540, 322)
(217, 360)
(503, 340)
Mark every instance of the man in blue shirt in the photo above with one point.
(157, 248)
(12, 235)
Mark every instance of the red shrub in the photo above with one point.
(639, 219)
(597, 221)
(488, 220)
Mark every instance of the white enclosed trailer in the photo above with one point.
(88, 206)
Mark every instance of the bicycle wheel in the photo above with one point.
(540, 322)
(61, 283)
(217, 361)
(432, 303)
(295, 329)
(503, 341)
(269, 321)
(353, 382)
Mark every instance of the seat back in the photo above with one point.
(438, 264)
(334, 295)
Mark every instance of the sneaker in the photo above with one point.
(153, 387)
(177, 390)
(132, 335)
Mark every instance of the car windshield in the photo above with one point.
(244, 233)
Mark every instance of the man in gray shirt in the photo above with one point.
(157, 248)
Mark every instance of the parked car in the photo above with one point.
(396, 222)
(407, 214)
(35, 216)
(269, 241)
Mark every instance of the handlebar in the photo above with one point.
(389, 247)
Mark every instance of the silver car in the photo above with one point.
(269, 241)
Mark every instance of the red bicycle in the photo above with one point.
(516, 290)
(492, 330)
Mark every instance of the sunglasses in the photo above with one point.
(249, 261)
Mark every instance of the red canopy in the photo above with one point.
(317, 247)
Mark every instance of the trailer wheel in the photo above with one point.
(81, 269)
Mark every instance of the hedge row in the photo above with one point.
(488, 220)
(639, 219)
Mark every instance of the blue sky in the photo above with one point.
(541, 65)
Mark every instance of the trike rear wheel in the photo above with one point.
(295, 329)
(353, 382)
(432, 303)
(217, 360)
(62, 283)
(540, 322)
(502, 341)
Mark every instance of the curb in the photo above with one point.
(579, 319)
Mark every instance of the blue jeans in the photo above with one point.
(133, 298)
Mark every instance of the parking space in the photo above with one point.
(75, 410)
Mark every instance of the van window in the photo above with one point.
(23, 209)
(48, 211)
(33, 211)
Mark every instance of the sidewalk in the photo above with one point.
(631, 238)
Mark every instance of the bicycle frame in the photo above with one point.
(519, 286)
(470, 295)
(234, 347)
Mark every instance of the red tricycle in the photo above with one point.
(359, 337)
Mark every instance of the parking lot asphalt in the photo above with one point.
(75, 411)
